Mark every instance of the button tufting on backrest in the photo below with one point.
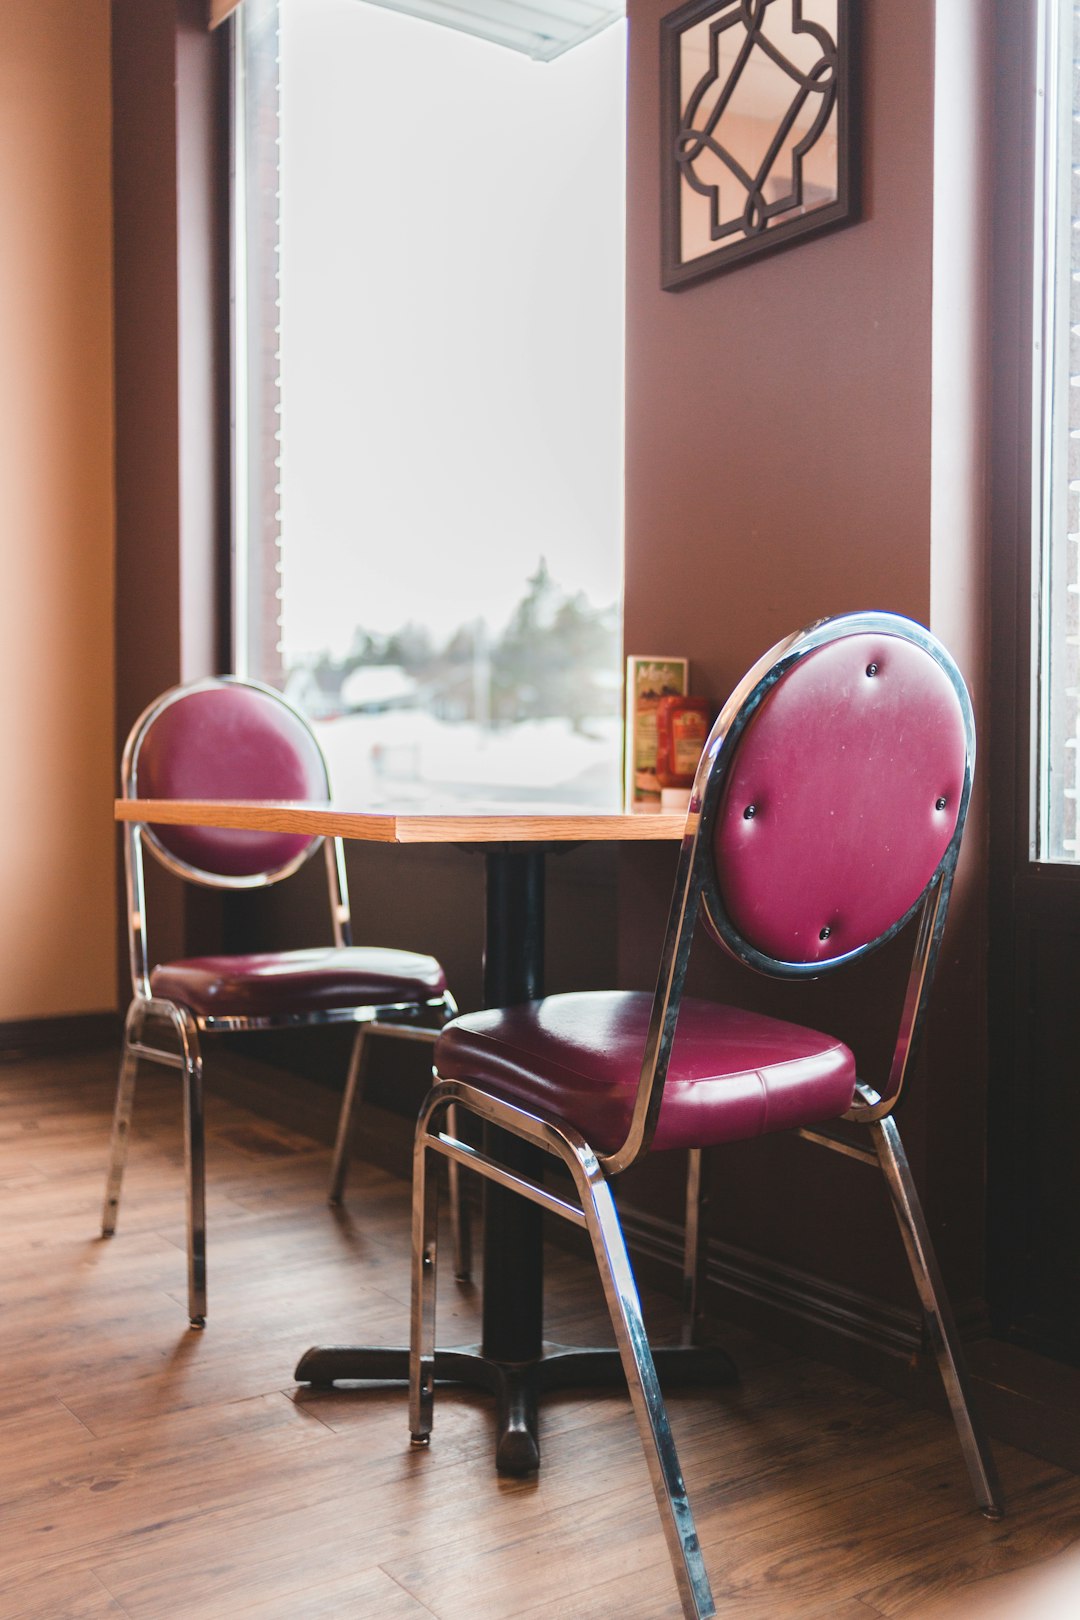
(863, 779)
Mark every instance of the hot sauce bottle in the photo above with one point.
(682, 730)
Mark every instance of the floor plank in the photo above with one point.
(155, 1473)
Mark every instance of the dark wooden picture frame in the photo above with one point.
(740, 216)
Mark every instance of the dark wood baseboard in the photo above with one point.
(745, 1285)
(75, 1032)
(1025, 1399)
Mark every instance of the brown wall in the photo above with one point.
(781, 466)
(170, 167)
(778, 415)
(170, 164)
(56, 542)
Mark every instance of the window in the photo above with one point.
(1056, 488)
(430, 249)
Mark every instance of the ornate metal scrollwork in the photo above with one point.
(756, 128)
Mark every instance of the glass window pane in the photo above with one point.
(1057, 351)
(433, 401)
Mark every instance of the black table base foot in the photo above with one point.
(516, 1386)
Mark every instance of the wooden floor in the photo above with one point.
(150, 1471)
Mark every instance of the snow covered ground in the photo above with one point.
(408, 756)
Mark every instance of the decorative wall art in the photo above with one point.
(756, 129)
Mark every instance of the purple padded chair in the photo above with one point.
(826, 815)
(228, 738)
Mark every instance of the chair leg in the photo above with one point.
(195, 1162)
(344, 1129)
(935, 1304)
(425, 1240)
(460, 1229)
(121, 1126)
(649, 1410)
(697, 1200)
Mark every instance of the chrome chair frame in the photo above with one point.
(695, 889)
(402, 1021)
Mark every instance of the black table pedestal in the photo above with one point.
(516, 1386)
(513, 1363)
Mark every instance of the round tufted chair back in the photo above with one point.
(225, 738)
(834, 789)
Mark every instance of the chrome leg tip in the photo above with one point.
(463, 1276)
(334, 1200)
(197, 1321)
(419, 1441)
(992, 1513)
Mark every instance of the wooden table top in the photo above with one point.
(445, 825)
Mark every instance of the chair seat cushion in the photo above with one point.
(577, 1058)
(282, 983)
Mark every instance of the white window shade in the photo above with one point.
(542, 29)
